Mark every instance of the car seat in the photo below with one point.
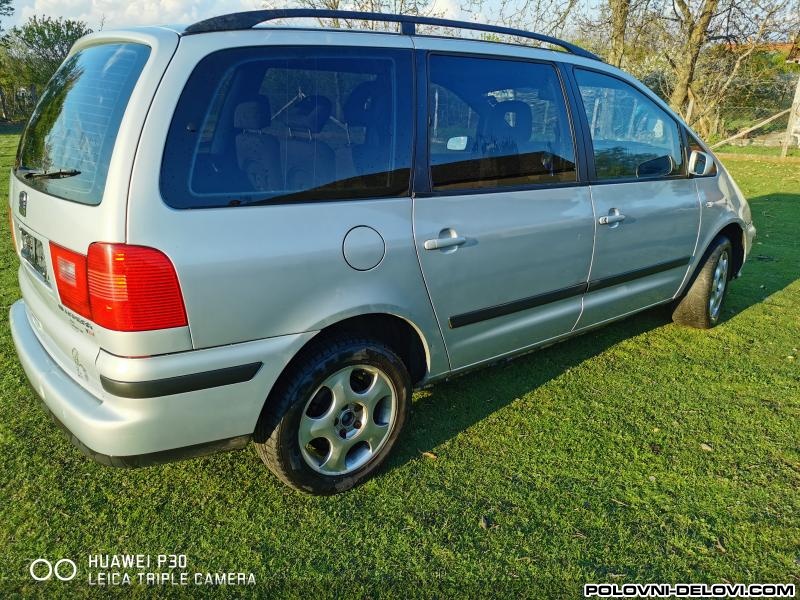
(257, 152)
(310, 162)
(369, 105)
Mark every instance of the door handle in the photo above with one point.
(713, 203)
(441, 243)
(612, 218)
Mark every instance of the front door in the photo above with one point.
(647, 209)
(505, 236)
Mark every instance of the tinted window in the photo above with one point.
(497, 123)
(75, 124)
(631, 134)
(264, 125)
(694, 145)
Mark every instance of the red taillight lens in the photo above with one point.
(133, 288)
(71, 279)
(120, 287)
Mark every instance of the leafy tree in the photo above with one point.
(42, 44)
(29, 56)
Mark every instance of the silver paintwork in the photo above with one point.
(661, 223)
(260, 282)
(132, 426)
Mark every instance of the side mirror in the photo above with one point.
(457, 144)
(700, 163)
(656, 167)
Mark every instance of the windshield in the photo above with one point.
(75, 123)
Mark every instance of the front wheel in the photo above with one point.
(702, 303)
(335, 416)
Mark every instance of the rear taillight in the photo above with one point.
(120, 287)
(71, 278)
(133, 288)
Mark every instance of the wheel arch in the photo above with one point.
(399, 333)
(734, 231)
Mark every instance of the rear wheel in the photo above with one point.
(701, 305)
(335, 415)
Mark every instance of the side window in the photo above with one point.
(503, 125)
(276, 124)
(694, 145)
(632, 136)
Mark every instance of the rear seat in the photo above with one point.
(257, 152)
(369, 106)
(309, 161)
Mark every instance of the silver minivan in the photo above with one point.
(236, 231)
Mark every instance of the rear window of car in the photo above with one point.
(75, 124)
(291, 124)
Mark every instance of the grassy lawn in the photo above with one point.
(642, 452)
(756, 150)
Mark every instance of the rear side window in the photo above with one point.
(632, 136)
(76, 122)
(291, 124)
(497, 124)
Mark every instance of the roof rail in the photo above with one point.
(408, 23)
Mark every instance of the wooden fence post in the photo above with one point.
(794, 122)
(794, 115)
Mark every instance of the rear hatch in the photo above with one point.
(69, 189)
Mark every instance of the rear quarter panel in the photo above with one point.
(255, 272)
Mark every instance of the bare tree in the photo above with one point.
(693, 25)
(620, 10)
(550, 17)
(404, 7)
(616, 29)
(694, 53)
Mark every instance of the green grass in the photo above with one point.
(585, 458)
(756, 150)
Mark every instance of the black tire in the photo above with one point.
(277, 432)
(695, 308)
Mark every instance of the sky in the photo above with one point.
(123, 13)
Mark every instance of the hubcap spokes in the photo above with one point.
(718, 284)
(347, 420)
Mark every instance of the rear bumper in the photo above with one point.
(188, 419)
(152, 458)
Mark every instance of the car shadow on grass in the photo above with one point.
(445, 409)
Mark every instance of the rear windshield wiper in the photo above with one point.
(60, 174)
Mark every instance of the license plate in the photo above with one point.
(33, 252)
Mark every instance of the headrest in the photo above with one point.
(252, 115)
(512, 119)
(365, 104)
(310, 114)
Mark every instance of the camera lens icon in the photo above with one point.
(64, 569)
